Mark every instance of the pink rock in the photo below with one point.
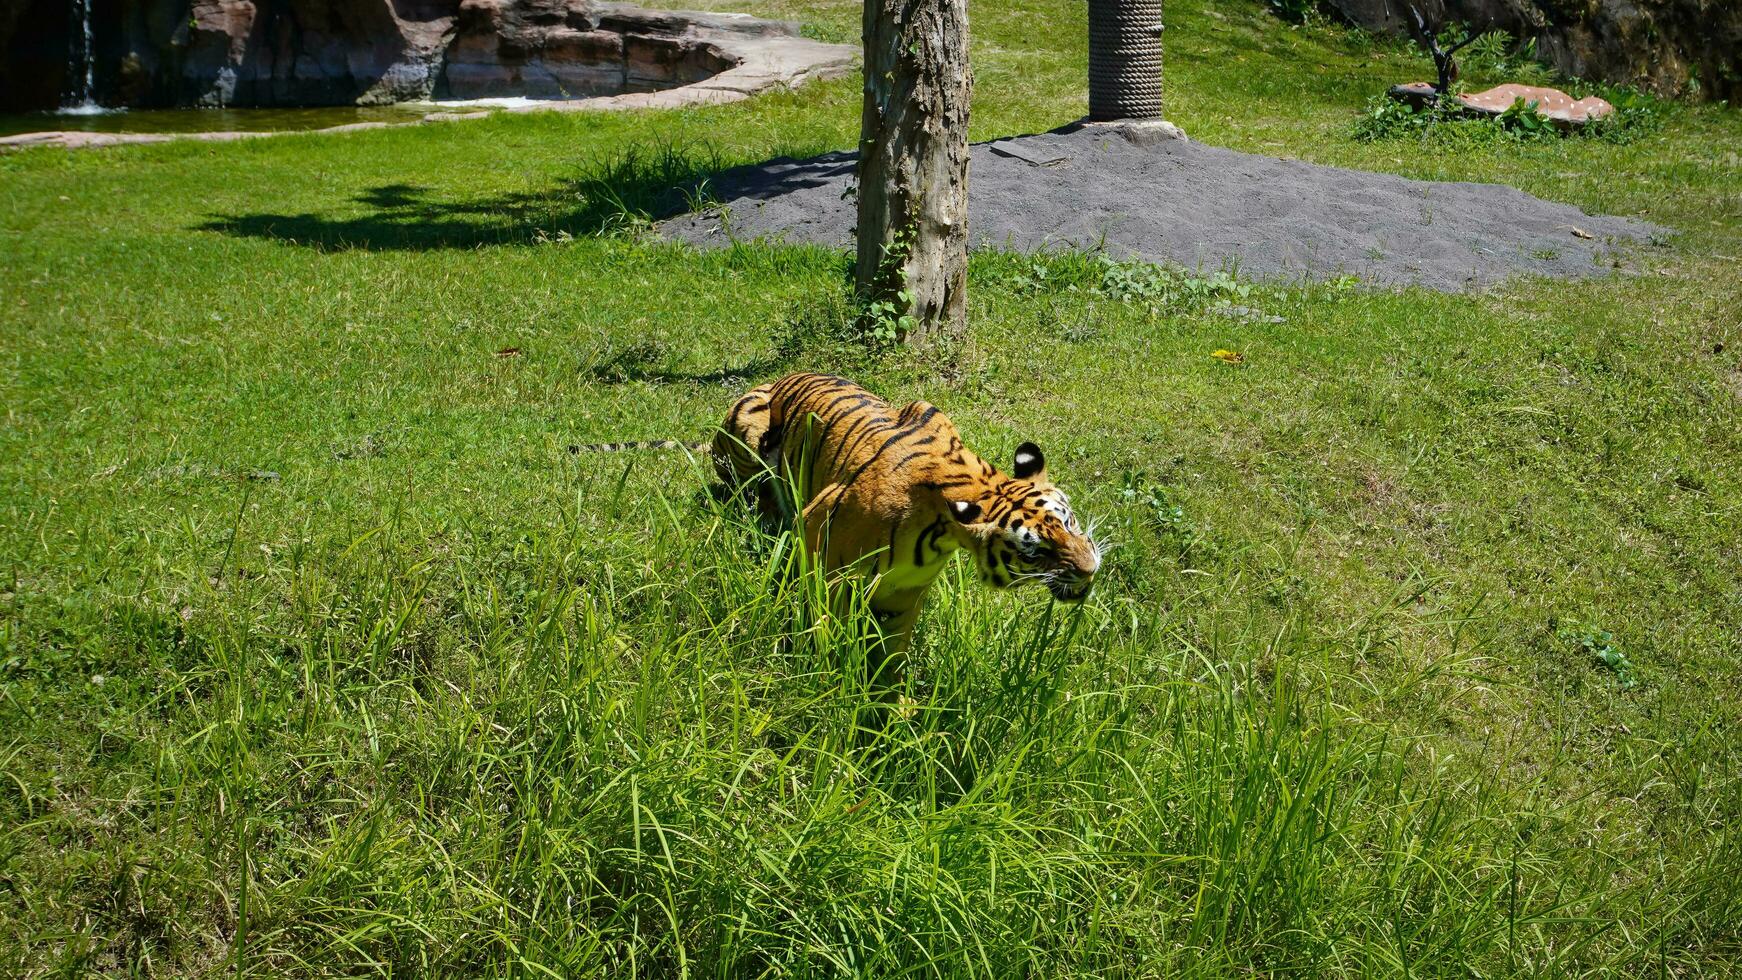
(1550, 102)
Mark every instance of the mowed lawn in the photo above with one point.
(320, 655)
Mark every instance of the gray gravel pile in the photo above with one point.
(1185, 203)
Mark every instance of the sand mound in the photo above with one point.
(1138, 193)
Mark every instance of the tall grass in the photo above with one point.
(659, 753)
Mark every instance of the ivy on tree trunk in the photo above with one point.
(912, 266)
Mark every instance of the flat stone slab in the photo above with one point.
(1140, 194)
(1028, 152)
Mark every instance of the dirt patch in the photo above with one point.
(1138, 193)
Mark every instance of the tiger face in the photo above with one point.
(1020, 528)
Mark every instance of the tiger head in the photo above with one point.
(1020, 528)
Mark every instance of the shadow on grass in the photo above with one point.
(638, 362)
(621, 195)
(743, 372)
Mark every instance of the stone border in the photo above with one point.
(768, 54)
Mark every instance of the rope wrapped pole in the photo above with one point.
(1124, 59)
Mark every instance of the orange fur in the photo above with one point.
(894, 492)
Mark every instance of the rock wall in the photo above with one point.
(1661, 45)
(553, 49)
(34, 40)
(362, 52)
(229, 52)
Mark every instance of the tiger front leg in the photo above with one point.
(895, 629)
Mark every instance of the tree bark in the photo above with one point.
(913, 164)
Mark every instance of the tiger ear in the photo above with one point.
(1030, 464)
(965, 511)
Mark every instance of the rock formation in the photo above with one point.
(554, 49)
(1661, 45)
(365, 52)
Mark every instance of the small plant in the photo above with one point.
(1522, 120)
(1636, 113)
(1164, 516)
(1080, 328)
(1448, 124)
(883, 323)
(1037, 277)
(1497, 54)
(623, 196)
(884, 319)
(1388, 119)
(1600, 646)
(1294, 11)
(826, 328)
(1160, 288)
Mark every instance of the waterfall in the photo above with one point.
(82, 67)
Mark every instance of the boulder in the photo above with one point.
(542, 49)
(573, 49)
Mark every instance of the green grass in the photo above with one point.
(319, 655)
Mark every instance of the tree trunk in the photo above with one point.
(913, 166)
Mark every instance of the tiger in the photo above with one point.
(894, 493)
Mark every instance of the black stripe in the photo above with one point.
(926, 539)
(819, 382)
(874, 426)
(801, 387)
(842, 445)
(836, 401)
(899, 435)
(798, 396)
(851, 412)
(850, 481)
(821, 425)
